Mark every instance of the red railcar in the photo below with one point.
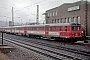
(62, 31)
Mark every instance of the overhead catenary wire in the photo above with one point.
(28, 6)
(32, 5)
(13, 5)
(35, 4)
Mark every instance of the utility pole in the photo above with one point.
(12, 17)
(86, 11)
(21, 22)
(2, 38)
(86, 21)
(37, 19)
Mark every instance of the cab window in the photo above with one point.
(78, 28)
(73, 28)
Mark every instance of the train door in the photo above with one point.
(46, 30)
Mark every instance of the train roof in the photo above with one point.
(65, 24)
(54, 24)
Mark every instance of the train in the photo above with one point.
(70, 32)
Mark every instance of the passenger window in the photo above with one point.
(35, 28)
(32, 28)
(42, 28)
(54, 28)
(47, 28)
(60, 28)
(50, 28)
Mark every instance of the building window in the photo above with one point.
(55, 20)
(69, 20)
(78, 18)
(52, 21)
(53, 13)
(65, 20)
(74, 19)
(56, 13)
(61, 20)
(48, 14)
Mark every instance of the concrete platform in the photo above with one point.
(3, 45)
(6, 48)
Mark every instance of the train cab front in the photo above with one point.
(76, 32)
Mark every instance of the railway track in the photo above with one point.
(57, 47)
(56, 55)
(42, 51)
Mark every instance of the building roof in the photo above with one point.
(78, 2)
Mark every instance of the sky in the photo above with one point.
(26, 10)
